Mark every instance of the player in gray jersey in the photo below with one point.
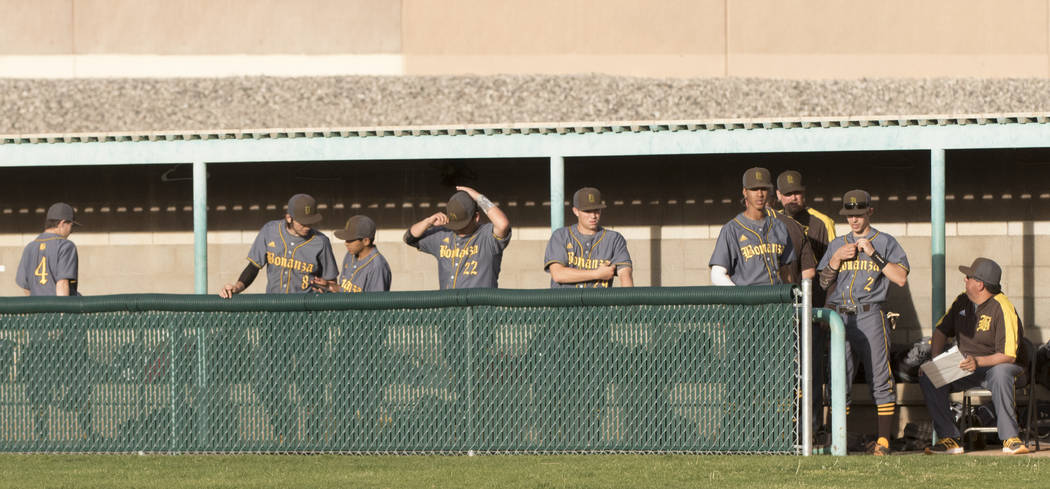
(856, 272)
(468, 253)
(754, 248)
(50, 263)
(587, 255)
(297, 258)
(364, 268)
(49, 267)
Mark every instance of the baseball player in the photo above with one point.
(364, 268)
(468, 253)
(587, 255)
(49, 263)
(298, 260)
(989, 333)
(754, 248)
(819, 228)
(856, 272)
(49, 267)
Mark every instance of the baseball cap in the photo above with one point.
(855, 203)
(758, 177)
(61, 211)
(790, 181)
(587, 199)
(357, 227)
(985, 270)
(303, 208)
(460, 210)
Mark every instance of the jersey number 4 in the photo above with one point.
(41, 270)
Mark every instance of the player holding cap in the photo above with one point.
(364, 268)
(49, 264)
(754, 248)
(856, 271)
(297, 258)
(468, 253)
(587, 255)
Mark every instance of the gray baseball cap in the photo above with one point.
(460, 209)
(790, 181)
(61, 211)
(855, 203)
(357, 227)
(758, 177)
(303, 208)
(985, 270)
(587, 199)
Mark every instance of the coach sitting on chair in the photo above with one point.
(989, 333)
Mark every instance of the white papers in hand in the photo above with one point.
(944, 368)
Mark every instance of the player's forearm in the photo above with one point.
(62, 288)
(500, 223)
(993, 359)
(896, 273)
(787, 274)
(420, 227)
(828, 275)
(809, 273)
(626, 277)
(26, 292)
(567, 275)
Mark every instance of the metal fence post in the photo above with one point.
(807, 367)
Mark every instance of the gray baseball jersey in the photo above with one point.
(859, 280)
(752, 252)
(46, 260)
(572, 249)
(370, 274)
(291, 260)
(465, 262)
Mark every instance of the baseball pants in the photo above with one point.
(998, 379)
(867, 341)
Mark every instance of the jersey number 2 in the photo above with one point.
(867, 286)
(41, 270)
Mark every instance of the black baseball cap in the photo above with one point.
(790, 181)
(855, 203)
(588, 199)
(460, 209)
(758, 177)
(61, 211)
(985, 270)
(357, 227)
(303, 208)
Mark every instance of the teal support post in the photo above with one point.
(838, 379)
(937, 231)
(557, 192)
(200, 227)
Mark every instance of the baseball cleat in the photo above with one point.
(946, 446)
(1014, 446)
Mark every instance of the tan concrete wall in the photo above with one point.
(678, 38)
(163, 263)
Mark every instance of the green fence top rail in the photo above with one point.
(404, 300)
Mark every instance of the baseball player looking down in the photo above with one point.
(50, 263)
(989, 334)
(297, 259)
(754, 248)
(856, 272)
(468, 253)
(587, 255)
(364, 268)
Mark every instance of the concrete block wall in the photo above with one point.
(162, 262)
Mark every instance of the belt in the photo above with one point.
(855, 308)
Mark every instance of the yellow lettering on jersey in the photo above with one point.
(271, 244)
(347, 286)
(43, 246)
(457, 253)
(751, 251)
(984, 323)
(743, 238)
(576, 261)
(289, 263)
(859, 266)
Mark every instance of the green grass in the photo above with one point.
(627, 471)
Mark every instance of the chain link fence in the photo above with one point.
(690, 369)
